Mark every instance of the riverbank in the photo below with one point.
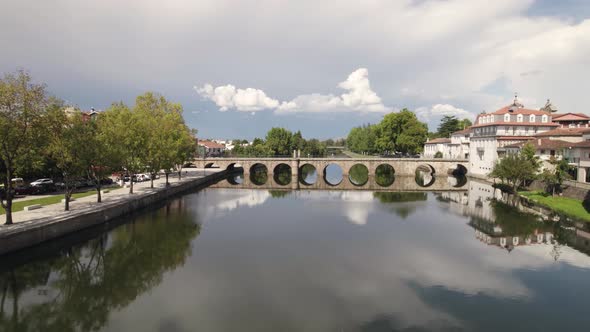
(51, 222)
(571, 207)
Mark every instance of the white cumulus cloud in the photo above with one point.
(439, 110)
(358, 98)
(228, 97)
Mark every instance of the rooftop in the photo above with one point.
(563, 132)
(544, 143)
(439, 140)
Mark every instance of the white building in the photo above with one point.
(492, 132)
(432, 147)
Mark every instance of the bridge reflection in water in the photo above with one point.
(333, 179)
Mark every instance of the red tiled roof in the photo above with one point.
(584, 144)
(500, 123)
(544, 143)
(570, 117)
(439, 140)
(563, 132)
(211, 145)
(514, 138)
(517, 110)
(462, 132)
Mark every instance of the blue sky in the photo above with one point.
(321, 67)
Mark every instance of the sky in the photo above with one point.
(322, 67)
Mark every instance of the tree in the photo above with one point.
(555, 176)
(515, 169)
(529, 151)
(100, 158)
(438, 154)
(448, 125)
(297, 141)
(465, 123)
(362, 139)
(22, 108)
(125, 131)
(67, 146)
(401, 132)
(278, 140)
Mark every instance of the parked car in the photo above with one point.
(24, 190)
(106, 181)
(43, 188)
(41, 182)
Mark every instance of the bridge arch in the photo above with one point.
(425, 175)
(384, 175)
(459, 170)
(308, 174)
(211, 165)
(337, 175)
(282, 174)
(258, 174)
(358, 174)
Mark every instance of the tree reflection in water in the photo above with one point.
(402, 210)
(358, 174)
(259, 174)
(282, 174)
(384, 175)
(78, 288)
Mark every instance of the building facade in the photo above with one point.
(492, 132)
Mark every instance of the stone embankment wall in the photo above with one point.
(29, 233)
(572, 189)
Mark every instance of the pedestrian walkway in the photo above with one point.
(119, 194)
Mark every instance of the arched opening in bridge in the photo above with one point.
(424, 175)
(358, 175)
(234, 167)
(459, 170)
(457, 181)
(333, 174)
(236, 178)
(211, 165)
(282, 174)
(308, 175)
(384, 175)
(258, 174)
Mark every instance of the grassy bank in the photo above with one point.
(19, 206)
(571, 207)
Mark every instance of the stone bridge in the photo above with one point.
(401, 166)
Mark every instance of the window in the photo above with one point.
(544, 119)
(519, 118)
(506, 117)
(532, 118)
(542, 151)
(552, 152)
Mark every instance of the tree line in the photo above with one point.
(280, 142)
(38, 136)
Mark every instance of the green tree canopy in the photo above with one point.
(401, 132)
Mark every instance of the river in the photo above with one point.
(233, 258)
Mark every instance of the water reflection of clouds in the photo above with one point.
(296, 273)
(210, 207)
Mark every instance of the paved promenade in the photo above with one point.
(114, 195)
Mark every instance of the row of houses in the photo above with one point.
(553, 134)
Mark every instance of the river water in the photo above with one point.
(239, 259)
